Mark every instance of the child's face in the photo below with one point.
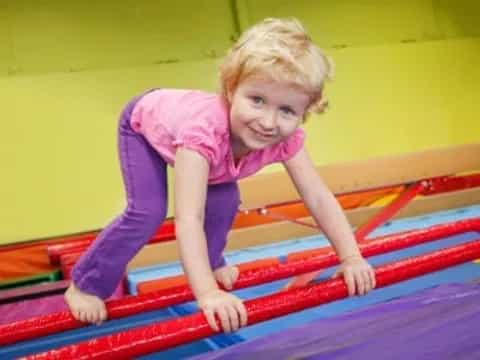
(264, 112)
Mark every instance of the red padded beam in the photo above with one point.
(450, 183)
(388, 211)
(160, 336)
(131, 305)
(425, 187)
(166, 232)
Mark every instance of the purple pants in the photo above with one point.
(101, 267)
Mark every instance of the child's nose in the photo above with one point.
(268, 120)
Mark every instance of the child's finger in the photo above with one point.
(242, 311)
(233, 315)
(223, 278)
(372, 278)
(227, 282)
(99, 316)
(95, 319)
(210, 316)
(91, 317)
(235, 272)
(224, 319)
(103, 314)
(350, 281)
(82, 316)
(360, 284)
(367, 281)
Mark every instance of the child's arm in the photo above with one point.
(191, 179)
(330, 218)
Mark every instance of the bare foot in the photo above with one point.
(301, 280)
(227, 275)
(84, 307)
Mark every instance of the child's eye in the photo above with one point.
(257, 100)
(287, 110)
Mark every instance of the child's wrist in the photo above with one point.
(350, 257)
(206, 290)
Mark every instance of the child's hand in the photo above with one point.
(84, 307)
(358, 275)
(228, 307)
(226, 275)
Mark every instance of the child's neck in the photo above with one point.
(238, 150)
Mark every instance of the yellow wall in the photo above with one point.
(407, 77)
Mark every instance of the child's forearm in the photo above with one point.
(330, 217)
(194, 256)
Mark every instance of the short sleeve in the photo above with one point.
(203, 137)
(290, 146)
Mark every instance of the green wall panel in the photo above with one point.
(339, 23)
(459, 18)
(60, 172)
(66, 70)
(59, 36)
(6, 47)
(398, 99)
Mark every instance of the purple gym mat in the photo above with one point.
(38, 300)
(29, 308)
(437, 323)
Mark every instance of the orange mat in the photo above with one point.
(31, 259)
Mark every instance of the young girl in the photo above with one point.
(271, 79)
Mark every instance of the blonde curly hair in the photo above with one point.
(282, 50)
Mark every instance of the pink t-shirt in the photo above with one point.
(198, 120)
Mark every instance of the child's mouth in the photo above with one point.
(263, 135)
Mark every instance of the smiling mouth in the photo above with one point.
(263, 135)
